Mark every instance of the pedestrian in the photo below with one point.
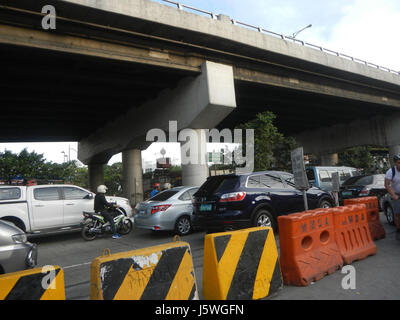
(392, 185)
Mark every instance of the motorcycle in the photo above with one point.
(94, 225)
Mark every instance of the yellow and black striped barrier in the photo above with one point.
(162, 272)
(46, 283)
(241, 265)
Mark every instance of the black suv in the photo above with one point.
(238, 201)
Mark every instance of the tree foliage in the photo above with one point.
(271, 148)
(357, 157)
(113, 178)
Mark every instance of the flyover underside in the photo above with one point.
(297, 111)
(55, 96)
(65, 84)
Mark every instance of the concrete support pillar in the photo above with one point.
(393, 150)
(194, 157)
(132, 175)
(96, 176)
(329, 159)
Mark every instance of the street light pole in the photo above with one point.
(297, 32)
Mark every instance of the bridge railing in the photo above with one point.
(182, 6)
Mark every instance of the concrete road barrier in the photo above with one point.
(46, 283)
(241, 265)
(162, 272)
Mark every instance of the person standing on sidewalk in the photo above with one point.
(392, 185)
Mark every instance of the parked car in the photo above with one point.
(45, 209)
(364, 186)
(321, 177)
(168, 210)
(16, 253)
(387, 207)
(243, 200)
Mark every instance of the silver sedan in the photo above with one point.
(16, 253)
(169, 210)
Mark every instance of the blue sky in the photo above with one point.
(280, 16)
(365, 29)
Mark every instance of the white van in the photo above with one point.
(321, 177)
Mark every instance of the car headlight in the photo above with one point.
(19, 238)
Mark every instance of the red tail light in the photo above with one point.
(232, 197)
(159, 208)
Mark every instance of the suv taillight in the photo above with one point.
(156, 209)
(365, 191)
(232, 197)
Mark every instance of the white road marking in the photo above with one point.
(77, 265)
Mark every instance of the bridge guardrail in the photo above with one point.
(214, 16)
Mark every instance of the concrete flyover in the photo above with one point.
(112, 70)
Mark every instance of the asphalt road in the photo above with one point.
(377, 277)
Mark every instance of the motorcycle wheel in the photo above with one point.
(86, 234)
(125, 226)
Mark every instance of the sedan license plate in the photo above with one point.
(205, 207)
(347, 193)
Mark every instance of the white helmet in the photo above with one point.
(102, 189)
(167, 186)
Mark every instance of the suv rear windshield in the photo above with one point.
(165, 195)
(360, 180)
(219, 184)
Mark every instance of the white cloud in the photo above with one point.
(368, 31)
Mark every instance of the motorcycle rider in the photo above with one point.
(102, 206)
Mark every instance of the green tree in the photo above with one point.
(358, 157)
(27, 164)
(271, 148)
(113, 178)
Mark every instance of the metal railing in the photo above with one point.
(213, 16)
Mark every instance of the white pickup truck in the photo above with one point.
(44, 209)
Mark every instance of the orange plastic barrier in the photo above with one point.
(374, 223)
(352, 233)
(307, 247)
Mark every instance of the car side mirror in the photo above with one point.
(89, 196)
